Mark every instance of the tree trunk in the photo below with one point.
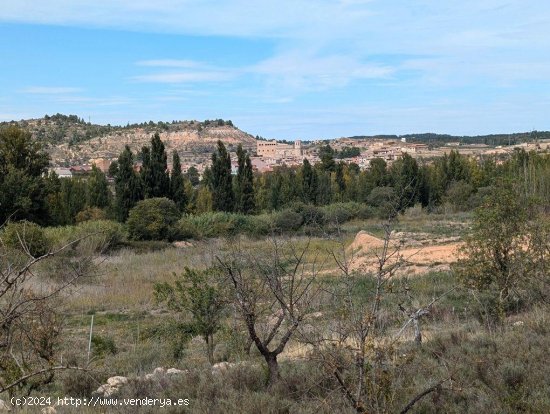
(272, 369)
(417, 333)
(210, 348)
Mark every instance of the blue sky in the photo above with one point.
(282, 69)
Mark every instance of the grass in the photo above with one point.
(497, 370)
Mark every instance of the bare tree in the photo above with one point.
(30, 323)
(273, 291)
(356, 348)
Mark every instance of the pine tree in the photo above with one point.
(177, 186)
(156, 181)
(97, 192)
(222, 183)
(127, 184)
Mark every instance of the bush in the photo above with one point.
(215, 224)
(103, 345)
(153, 219)
(32, 236)
(311, 215)
(91, 213)
(98, 236)
(186, 229)
(287, 220)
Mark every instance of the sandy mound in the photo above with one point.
(364, 242)
(417, 259)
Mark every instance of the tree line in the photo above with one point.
(28, 191)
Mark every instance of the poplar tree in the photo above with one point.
(222, 185)
(177, 187)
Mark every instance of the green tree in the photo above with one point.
(500, 257)
(244, 191)
(177, 184)
(127, 185)
(197, 294)
(406, 180)
(156, 181)
(309, 183)
(326, 154)
(222, 182)
(193, 176)
(98, 193)
(22, 186)
(153, 219)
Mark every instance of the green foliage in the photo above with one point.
(349, 152)
(22, 187)
(500, 257)
(193, 176)
(244, 183)
(153, 219)
(309, 183)
(128, 187)
(98, 236)
(103, 345)
(198, 294)
(97, 191)
(177, 185)
(222, 184)
(326, 154)
(154, 172)
(287, 220)
(26, 237)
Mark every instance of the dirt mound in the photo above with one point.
(417, 259)
(364, 242)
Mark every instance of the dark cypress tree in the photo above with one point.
(309, 183)
(238, 180)
(339, 178)
(98, 193)
(326, 154)
(156, 181)
(177, 187)
(222, 183)
(127, 185)
(248, 203)
(244, 183)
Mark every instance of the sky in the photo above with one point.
(285, 69)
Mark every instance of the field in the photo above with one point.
(471, 363)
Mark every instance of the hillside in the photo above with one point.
(70, 140)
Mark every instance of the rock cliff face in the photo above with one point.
(70, 140)
(189, 141)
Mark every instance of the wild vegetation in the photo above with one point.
(255, 288)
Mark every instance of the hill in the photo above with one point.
(70, 140)
(442, 139)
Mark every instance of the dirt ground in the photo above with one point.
(420, 254)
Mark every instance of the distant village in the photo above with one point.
(270, 154)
